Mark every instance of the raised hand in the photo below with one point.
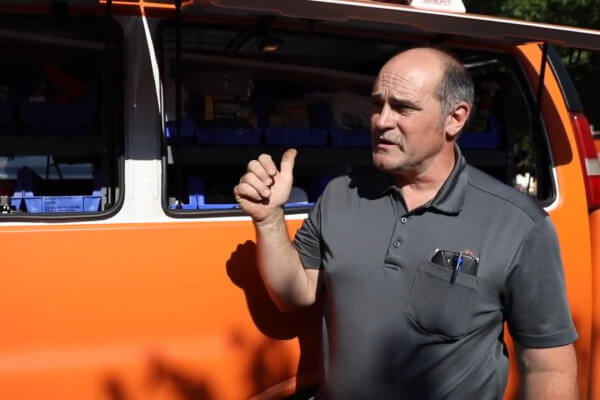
(264, 189)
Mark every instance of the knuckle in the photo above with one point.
(253, 164)
(265, 158)
(243, 189)
(247, 179)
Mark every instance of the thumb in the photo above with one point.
(287, 162)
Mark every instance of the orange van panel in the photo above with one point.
(154, 311)
(570, 215)
(178, 310)
(594, 390)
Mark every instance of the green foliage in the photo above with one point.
(580, 13)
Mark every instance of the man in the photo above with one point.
(401, 321)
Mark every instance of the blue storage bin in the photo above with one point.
(15, 203)
(489, 138)
(296, 137)
(62, 204)
(350, 138)
(188, 131)
(50, 204)
(298, 205)
(298, 198)
(49, 119)
(223, 135)
(197, 202)
(196, 198)
(194, 186)
(215, 206)
(192, 204)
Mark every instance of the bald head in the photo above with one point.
(428, 57)
(450, 80)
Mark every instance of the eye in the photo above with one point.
(402, 109)
(376, 105)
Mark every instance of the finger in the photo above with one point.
(257, 184)
(247, 192)
(268, 164)
(256, 168)
(288, 160)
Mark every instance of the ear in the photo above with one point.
(457, 119)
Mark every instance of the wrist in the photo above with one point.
(271, 221)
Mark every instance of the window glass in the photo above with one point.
(59, 148)
(252, 89)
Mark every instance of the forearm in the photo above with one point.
(549, 385)
(281, 269)
(548, 373)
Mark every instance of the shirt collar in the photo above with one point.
(449, 199)
(451, 196)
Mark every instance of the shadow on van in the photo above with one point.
(305, 324)
(268, 363)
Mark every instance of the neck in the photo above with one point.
(419, 187)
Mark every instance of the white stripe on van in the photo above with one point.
(153, 62)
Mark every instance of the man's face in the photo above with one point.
(407, 127)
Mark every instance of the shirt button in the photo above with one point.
(396, 244)
(403, 220)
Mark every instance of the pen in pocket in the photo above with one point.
(457, 267)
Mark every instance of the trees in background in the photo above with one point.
(583, 66)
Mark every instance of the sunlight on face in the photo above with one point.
(406, 122)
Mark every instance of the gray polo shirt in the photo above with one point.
(395, 327)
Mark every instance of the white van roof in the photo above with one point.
(357, 12)
(493, 29)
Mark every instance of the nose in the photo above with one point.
(383, 119)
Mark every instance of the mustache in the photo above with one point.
(389, 137)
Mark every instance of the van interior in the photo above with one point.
(248, 86)
(59, 133)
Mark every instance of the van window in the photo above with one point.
(250, 88)
(60, 116)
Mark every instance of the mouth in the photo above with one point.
(384, 143)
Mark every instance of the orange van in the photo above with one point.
(128, 272)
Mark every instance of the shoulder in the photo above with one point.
(336, 187)
(501, 197)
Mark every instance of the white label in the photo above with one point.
(440, 5)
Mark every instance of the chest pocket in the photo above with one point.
(437, 306)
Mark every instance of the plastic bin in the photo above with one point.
(215, 206)
(350, 138)
(188, 131)
(298, 198)
(197, 200)
(489, 138)
(63, 204)
(194, 186)
(225, 135)
(49, 119)
(24, 196)
(15, 203)
(298, 205)
(285, 137)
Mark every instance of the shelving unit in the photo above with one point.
(58, 146)
(189, 155)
